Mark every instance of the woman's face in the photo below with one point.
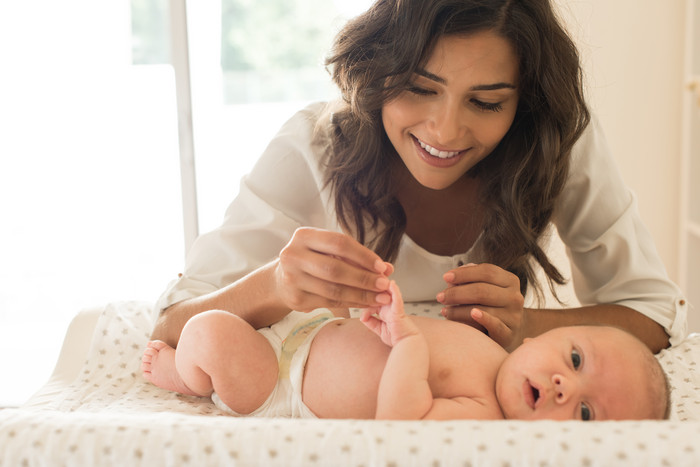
(456, 110)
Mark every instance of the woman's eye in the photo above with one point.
(585, 413)
(420, 91)
(488, 106)
(575, 359)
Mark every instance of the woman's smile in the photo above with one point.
(441, 153)
(437, 157)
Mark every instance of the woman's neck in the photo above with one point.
(444, 222)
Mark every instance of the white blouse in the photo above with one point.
(613, 256)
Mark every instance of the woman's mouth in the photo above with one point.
(436, 152)
(440, 158)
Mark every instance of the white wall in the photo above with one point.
(633, 57)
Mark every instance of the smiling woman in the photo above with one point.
(456, 110)
(96, 135)
(342, 188)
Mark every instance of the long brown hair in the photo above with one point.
(373, 60)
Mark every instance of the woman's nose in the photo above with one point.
(449, 125)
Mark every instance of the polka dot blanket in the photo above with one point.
(109, 415)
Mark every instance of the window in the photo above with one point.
(89, 179)
(253, 65)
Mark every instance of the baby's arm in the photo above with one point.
(404, 392)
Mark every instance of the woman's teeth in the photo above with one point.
(434, 152)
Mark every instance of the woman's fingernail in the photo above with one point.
(477, 313)
(449, 276)
(379, 266)
(443, 312)
(440, 297)
(383, 298)
(382, 283)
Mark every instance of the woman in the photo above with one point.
(462, 134)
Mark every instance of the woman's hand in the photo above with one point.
(486, 297)
(323, 269)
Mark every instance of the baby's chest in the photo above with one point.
(461, 376)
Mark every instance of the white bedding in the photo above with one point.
(103, 412)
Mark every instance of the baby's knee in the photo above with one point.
(213, 326)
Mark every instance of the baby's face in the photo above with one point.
(576, 373)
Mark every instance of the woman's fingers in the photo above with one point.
(495, 328)
(462, 314)
(338, 270)
(487, 273)
(484, 321)
(486, 297)
(318, 268)
(340, 245)
(483, 284)
(341, 293)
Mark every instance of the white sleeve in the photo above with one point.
(613, 256)
(282, 193)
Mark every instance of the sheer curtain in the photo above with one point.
(89, 177)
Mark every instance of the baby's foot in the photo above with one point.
(158, 367)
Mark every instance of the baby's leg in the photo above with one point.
(221, 352)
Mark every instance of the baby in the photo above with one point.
(388, 365)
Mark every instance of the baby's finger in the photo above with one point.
(373, 323)
(366, 314)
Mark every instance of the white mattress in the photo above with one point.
(98, 410)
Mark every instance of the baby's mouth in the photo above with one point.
(531, 393)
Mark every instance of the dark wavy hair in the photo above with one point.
(373, 59)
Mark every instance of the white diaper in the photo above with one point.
(291, 340)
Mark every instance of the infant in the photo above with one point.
(388, 365)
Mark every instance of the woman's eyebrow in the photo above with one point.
(479, 87)
(431, 76)
(492, 87)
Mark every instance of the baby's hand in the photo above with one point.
(390, 322)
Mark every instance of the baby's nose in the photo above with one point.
(562, 388)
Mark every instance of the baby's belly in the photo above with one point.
(343, 370)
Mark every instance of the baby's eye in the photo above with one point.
(575, 359)
(585, 413)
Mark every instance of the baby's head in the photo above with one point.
(583, 373)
